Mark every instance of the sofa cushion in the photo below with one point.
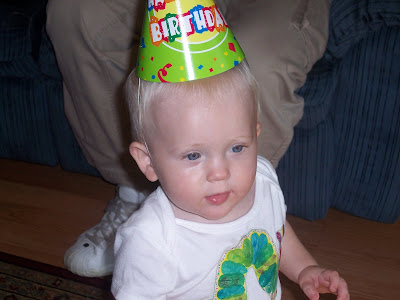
(345, 149)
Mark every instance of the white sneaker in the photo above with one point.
(92, 255)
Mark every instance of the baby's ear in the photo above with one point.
(258, 128)
(143, 160)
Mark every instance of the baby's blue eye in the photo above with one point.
(193, 156)
(237, 148)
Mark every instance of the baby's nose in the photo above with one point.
(218, 170)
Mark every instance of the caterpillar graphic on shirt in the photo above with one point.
(256, 250)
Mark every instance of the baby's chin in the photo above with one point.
(220, 217)
(213, 217)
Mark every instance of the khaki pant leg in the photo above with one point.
(95, 51)
(281, 40)
(96, 44)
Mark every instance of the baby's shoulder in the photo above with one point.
(266, 170)
(154, 218)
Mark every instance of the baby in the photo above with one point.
(215, 228)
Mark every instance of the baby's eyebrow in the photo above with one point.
(185, 148)
(242, 137)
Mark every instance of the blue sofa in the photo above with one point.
(33, 126)
(346, 149)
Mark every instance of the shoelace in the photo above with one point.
(117, 212)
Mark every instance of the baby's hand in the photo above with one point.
(315, 280)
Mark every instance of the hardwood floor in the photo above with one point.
(44, 209)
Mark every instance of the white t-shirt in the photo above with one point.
(161, 257)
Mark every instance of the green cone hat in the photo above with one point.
(185, 40)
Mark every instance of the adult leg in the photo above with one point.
(282, 40)
(96, 44)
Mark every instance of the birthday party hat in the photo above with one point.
(185, 40)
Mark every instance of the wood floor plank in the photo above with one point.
(55, 178)
(366, 253)
(41, 223)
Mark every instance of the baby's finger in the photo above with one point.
(330, 279)
(310, 291)
(343, 290)
(334, 284)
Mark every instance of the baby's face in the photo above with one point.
(204, 152)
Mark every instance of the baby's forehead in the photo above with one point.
(187, 109)
(202, 96)
(192, 109)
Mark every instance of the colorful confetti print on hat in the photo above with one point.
(185, 40)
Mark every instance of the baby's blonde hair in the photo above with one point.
(236, 81)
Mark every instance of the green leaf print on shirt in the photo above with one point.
(254, 251)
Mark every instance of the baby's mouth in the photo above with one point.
(218, 199)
